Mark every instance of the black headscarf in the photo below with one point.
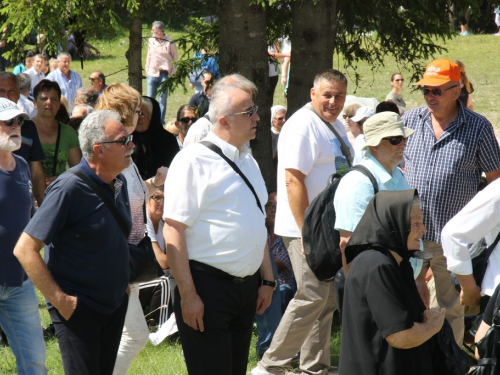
(161, 145)
(385, 223)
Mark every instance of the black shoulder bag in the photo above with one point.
(143, 263)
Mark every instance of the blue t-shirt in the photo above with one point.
(86, 251)
(15, 213)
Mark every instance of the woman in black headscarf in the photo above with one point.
(386, 328)
(155, 147)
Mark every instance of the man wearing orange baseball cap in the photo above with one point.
(451, 148)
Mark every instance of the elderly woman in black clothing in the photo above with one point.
(386, 328)
(154, 146)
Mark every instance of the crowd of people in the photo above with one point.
(67, 171)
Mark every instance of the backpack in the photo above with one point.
(320, 240)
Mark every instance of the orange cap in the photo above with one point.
(439, 72)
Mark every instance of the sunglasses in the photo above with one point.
(400, 80)
(92, 79)
(395, 140)
(249, 113)
(186, 120)
(435, 92)
(280, 118)
(19, 120)
(346, 117)
(157, 198)
(125, 141)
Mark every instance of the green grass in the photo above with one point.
(480, 53)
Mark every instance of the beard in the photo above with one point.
(10, 144)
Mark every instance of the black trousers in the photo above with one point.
(89, 340)
(229, 312)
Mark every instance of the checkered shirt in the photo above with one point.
(446, 171)
(277, 250)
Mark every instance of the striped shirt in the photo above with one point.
(446, 171)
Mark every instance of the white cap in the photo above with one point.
(9, 110)
(363, 112)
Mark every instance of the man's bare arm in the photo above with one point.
(345, 235)
(265, 293)
(27, 251)
(192, 306)
(492, 176)
(38, 179)
(297, 195)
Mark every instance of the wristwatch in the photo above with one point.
(269, 283)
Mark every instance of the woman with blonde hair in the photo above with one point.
(127, 102)
(466, 88)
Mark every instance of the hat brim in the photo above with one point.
(375, 141)
(431, 82)
(10, 113)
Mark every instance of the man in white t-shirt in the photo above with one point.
(309, 154)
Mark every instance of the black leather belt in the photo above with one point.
(194, 264)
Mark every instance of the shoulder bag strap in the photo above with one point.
(56, 151)
(367, 173)
(490, 248)
(104, 198)
(217, 150)
(345, 149)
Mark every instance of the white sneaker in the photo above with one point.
(258, 371)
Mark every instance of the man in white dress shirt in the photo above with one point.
(35, 71)
(480, 218)
(69, 81)
(217, 240)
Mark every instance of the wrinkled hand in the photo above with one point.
(50, 180)
(470, 297)
(161, 174)
(192, 311)
(67, 307)
(435, 316)
(423, 291)
(264, 296)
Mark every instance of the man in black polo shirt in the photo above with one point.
(86, 274)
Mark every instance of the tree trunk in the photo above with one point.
(243, 49)
(134, 52)
(312, 47)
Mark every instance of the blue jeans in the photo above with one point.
(20, 320)
(269, 320)
(152, 85)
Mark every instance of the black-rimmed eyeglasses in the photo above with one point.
(19, 120)
(249, 113)
(125, 141)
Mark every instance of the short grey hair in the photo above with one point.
(329, 75)
(148, 103)
(236, 81)
(39, 55)
(89, 109)
(24, 80)
(159, 25)
(92, 130)
(10, 75)
(63, 54)
(221, 104)
(88, 95)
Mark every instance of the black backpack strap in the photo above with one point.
(367, 173)
(104, 198)
(345, 149)
(218, 151)
(490, 249)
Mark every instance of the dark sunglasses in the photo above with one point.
(346, 117)
(435, 92)
(395, 140)
(92, 79)
(400, 80)
(124, 141)
(18, 119)
(186, 120)
(249, 113)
